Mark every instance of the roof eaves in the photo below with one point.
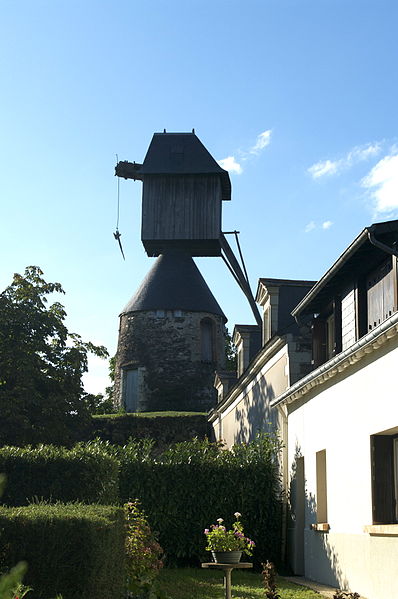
(360, 349)
(352, 248)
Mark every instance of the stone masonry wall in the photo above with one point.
(165, 347)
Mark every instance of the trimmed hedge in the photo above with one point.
(75, 550)
(192, 484)
(165, 428)
(183, 491)
(85, 473)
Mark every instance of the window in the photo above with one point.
(384, 456)
(241, 362)
(326, 337)
(267, 324)
(395, 449)
(160, 314)
(326, 334)
(330, 336)
(321, 488)
(207, 340)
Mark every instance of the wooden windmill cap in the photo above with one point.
(182, 154)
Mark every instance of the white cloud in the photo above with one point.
(319, 169)
(311, 225)
(327, 224)
(361, 153)
(382, 183)
(263, 140)
(231, 165)
(354, 156)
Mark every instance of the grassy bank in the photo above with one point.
(208, 584)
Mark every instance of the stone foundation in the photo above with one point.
(165, 350)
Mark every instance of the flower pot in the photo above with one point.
(226, 557)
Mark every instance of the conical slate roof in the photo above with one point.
(174, 283)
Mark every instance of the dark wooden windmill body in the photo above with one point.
(183, 189)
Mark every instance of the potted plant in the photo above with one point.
(225, 545)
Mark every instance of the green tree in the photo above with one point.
(98, 403)
(41, 365)
(230, 353)
(109, 395)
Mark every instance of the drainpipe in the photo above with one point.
(282, 412)
(379, 244)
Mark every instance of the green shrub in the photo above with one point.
(143, 552)
(85, 473)
(194, 483)
(11, 581)
(74, 550)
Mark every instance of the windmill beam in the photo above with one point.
(128, 170)
(240, 277)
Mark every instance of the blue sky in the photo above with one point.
(297, 98)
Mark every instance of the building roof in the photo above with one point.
(363, 254)
(174, 283)
(285, 282)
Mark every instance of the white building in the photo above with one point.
(339, 424)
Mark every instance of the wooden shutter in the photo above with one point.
(381, 294)
(382, 479)
(389, 303)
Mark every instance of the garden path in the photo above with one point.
(322, 589)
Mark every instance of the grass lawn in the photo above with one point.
(191, 583)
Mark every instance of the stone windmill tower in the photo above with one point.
(172, 332)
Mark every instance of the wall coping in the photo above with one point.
(382, 529)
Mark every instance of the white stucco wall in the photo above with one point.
(339, 416)
(248, 408)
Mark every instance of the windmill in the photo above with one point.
(183, 191)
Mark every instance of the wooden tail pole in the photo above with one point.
(239, 275)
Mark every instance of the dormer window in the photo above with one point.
(359, 293)
(247, 340)
(277, 297)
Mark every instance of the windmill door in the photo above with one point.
(131, 390)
